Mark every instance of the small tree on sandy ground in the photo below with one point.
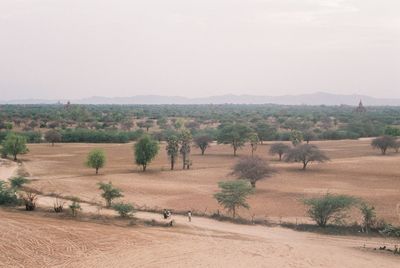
(109, 192)
(254, 141)
(96, 159)
(185, 139)
(29, 199)
(328, 208)
(17, 182)
(233, 195)
(368, 216)
(8, 196)
(279, 149)
(14, 145)
(305, 153)
(234, 134)
(146, 150)
(383, 143)
(172, 149)
(52, 136)
(252, 169)
(202, 142)
(125, 210)
(75, 206)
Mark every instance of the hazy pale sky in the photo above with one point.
(80, 48)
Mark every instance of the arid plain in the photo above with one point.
(40, 239)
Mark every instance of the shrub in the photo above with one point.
(109, 192)
(29, 199)
(124, 209)
(368, 215)
(8, 196)
(383, 143)
(328, 207)
(18, 182)
(75, 206)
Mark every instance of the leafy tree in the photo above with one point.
(124, 209)
(383, 143)
(96, 159)
(53, 136)
(149, 124)
(252, 169)
(305, 153)
(265, 132)
(279, 149)
(7, 195)
(172, 149)
(17, 182)
(75, 206)
(308, 136)
(233, 195)
(296, 137)
(202, 142)
(233, 134)
(109, 192)
(15, 144)
(328, 207)
(368, 215)
(254, 140)
(185, 138)
(146, 150)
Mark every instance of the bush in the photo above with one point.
(368, 215)
(18, 182)
(29, 199)
(75, 206)
(328, 207)
(8, 196)
(124, 209)
(109, 192)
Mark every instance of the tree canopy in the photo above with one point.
(305, 153)
(146, 150)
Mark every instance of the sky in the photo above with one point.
(69, 49)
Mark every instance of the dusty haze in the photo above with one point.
(75, 49)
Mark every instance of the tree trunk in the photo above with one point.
(233, 212)
(203, 150)
(280, 157)
(144, 168)
(253, 184)
(172, 163)
(97, 171)
(184, 161)
(304, 165)
(234, 151)
(15, 157)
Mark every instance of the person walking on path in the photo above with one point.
(189, 214)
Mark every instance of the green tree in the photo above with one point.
(109, 192)
(328, 207)
(96, 159)
(202, 142)
(125, 210)
(146, 150)
(234, 134)
(265, 132)
(296, 137)
(172, 149)
(254, 141)
(185, 139)
(279, 149)
(17, 182)
(15, 144)
(233, 195)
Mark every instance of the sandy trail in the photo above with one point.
(269, 247)
(7, 169)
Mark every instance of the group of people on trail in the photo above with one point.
(167, 214)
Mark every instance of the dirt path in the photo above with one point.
(278, 246)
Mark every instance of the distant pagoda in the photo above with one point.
(360, 108)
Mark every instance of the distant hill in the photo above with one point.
(319, 98)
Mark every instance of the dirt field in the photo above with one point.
(355, 169)
(35, 239)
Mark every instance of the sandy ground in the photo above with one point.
(355, 169)
(34, 239)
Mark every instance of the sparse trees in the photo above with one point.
(96, 159)
(305, 153)
(328, 207)
(233, 134)
(254, 140)
(185, 138)
(252, 169)
(202, 142)
(14, 144)
(233, 195)
(172, 149)
(52, 136)
(146, 150)
(383, 143)
(109, 192)
(279, 149)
